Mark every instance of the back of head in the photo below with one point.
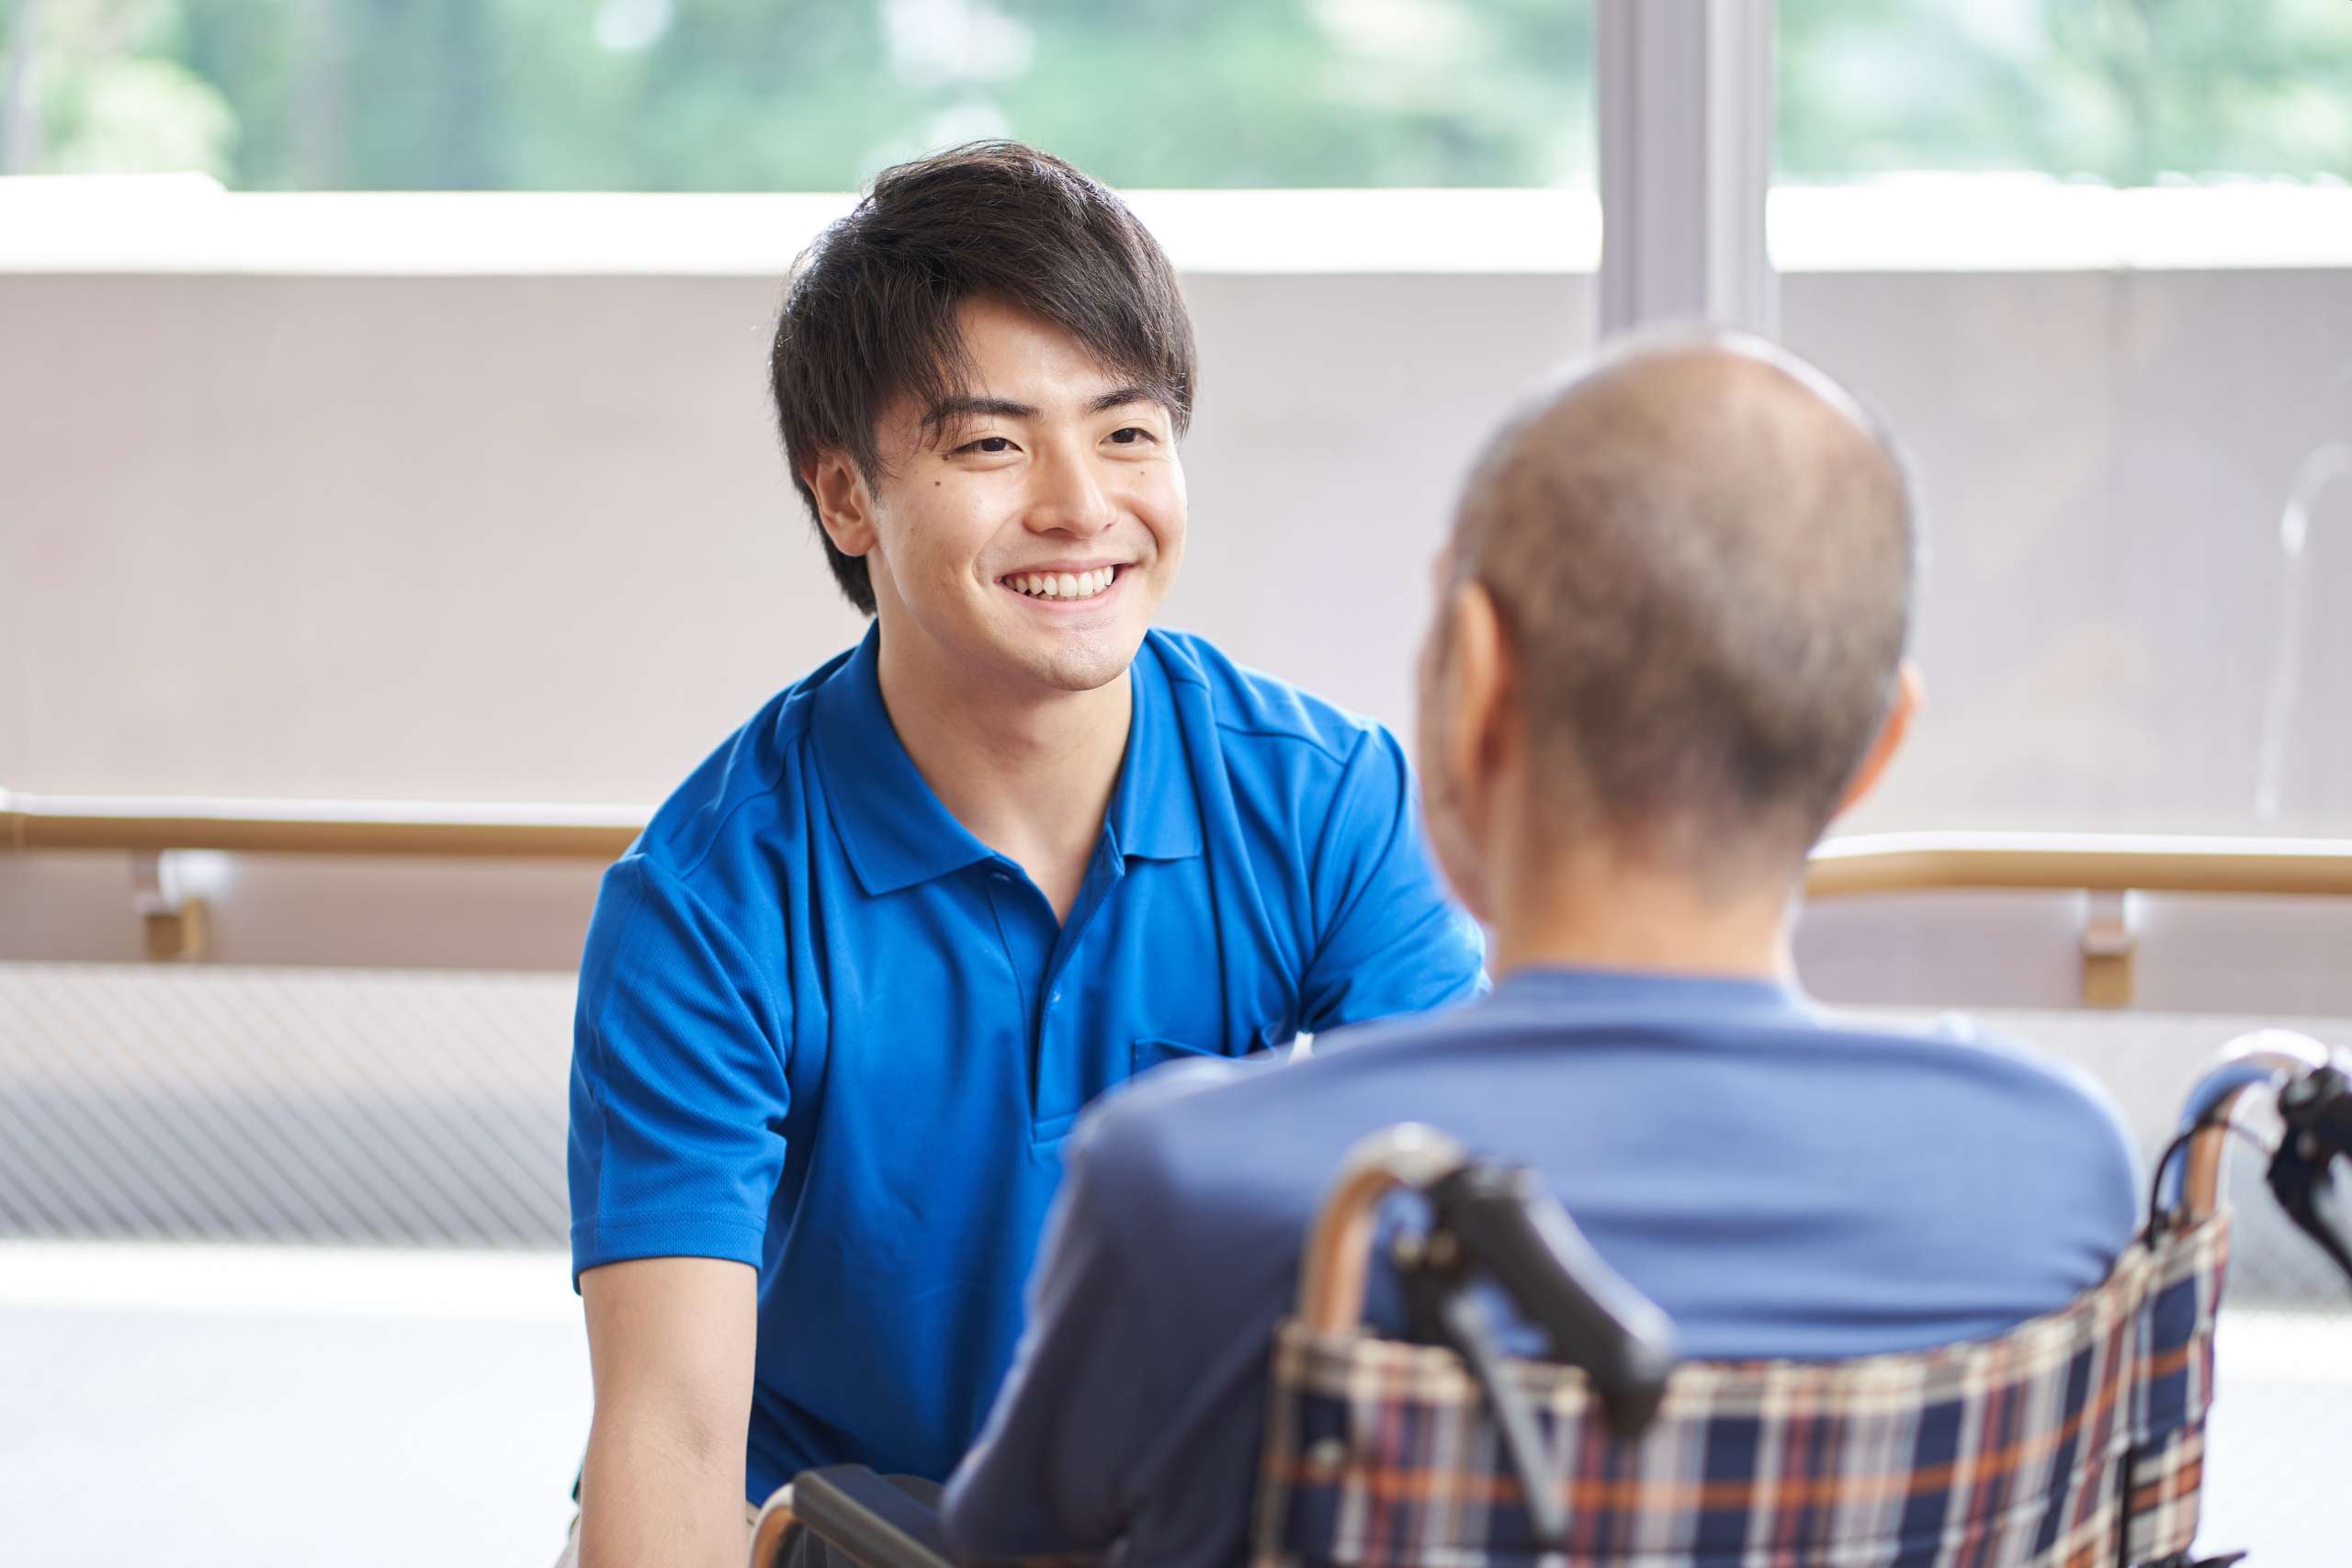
(870, 316)
(1701, 551)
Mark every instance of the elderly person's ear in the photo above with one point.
(1909, 692)
(1466, 689)
(1478, 686)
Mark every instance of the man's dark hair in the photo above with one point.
(870, 315)
(1702, 554)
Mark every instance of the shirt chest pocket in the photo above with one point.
(1151, 1052)
(1117, 1064)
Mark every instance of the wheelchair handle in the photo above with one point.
(2308, 1137)
(1509, 1228)
(1339, 1249)
(2245, 1078)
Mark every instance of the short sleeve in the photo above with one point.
(678, 1086)
(1391, 940)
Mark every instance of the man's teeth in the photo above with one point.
(1062, 585)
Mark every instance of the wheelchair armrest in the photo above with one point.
(861, 1515)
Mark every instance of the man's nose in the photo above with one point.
(1069, 497)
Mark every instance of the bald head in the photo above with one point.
(1701, 552)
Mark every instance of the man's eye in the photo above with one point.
(1130, 436)
(987, 446)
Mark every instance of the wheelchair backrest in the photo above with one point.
(2076, 1440)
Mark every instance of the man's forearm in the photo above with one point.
(650, 1499)
(671, 1342)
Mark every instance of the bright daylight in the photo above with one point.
(1176, 784)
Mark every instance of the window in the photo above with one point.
(797, 95)
(2094, 258)
(2121, 92)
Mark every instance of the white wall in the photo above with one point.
(2105, 458)
(531, 539)
(528, 538)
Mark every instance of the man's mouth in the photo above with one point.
(1069, 585)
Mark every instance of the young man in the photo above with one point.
(842, 1001)
(1667, 649)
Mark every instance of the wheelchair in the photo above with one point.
(2076, 1440)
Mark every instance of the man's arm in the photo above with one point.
(678, 1100)
(1390, 939)
(670, 1345)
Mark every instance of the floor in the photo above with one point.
(329, 1321)
(256, 1406)
(250, 1406)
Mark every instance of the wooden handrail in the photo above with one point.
(2097, 862)
(2109, 866)
(319, 828)
(1872, 863)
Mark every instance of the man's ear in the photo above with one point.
(1908, 695)
(844, 503)
(1462, 677)
(1479, 689)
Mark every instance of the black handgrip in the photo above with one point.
(2317, 1110)
(1508, 1226)
(874, 1523)
(2318, 1107)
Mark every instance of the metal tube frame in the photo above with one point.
(2232, 1098)
(1339, 1250)
(775, 1522)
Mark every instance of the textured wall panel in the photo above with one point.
(408, 1107)
(377, 1106)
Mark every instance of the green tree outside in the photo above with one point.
(816, 95)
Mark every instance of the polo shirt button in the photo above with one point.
(1054, 999)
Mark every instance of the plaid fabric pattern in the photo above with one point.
(2031, 1451)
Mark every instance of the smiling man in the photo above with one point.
(843, 1000)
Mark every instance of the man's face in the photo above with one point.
(1028, 530)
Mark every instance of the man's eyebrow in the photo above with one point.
(963, 408)
(1121, 398)
(949, 409)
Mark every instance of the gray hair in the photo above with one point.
(1702, 551)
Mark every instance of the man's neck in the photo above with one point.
(1596, 912)
(1029, 772)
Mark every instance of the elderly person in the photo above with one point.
(1667, 649)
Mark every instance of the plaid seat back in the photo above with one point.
(2015, 1451)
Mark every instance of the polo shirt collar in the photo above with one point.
(893, 828)
(1156, 810)
(1662, 990)
(896, 832)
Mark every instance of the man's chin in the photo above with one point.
(1085, 664)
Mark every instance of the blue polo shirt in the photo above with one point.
(1780, 1185)
(824, 1031)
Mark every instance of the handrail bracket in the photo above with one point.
(2110, 947)
(175, 924)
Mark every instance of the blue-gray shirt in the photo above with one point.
(1780, 1185)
